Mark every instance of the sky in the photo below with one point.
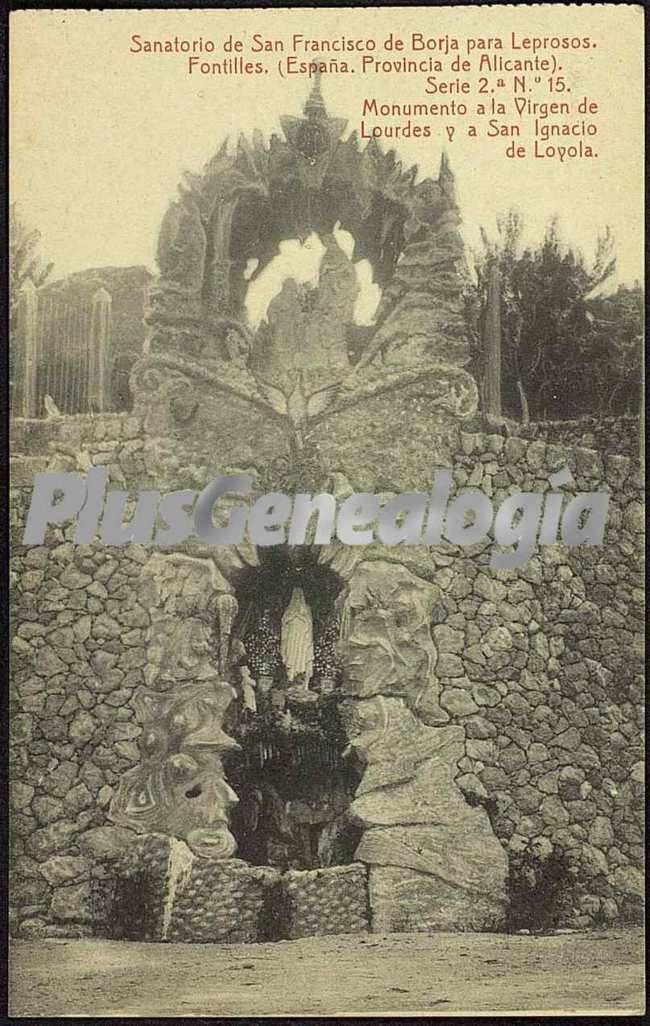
(100, 137)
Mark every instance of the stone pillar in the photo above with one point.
(434, 862)
(492, 391)
(26, 343)
(100, 344)
(179, 788)
(219, 270)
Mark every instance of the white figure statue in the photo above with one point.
(247, 690)
(297, 639)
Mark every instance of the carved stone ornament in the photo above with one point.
(179, 787)
(308, 361)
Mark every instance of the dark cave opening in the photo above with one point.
(293, 781)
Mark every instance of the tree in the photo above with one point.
(616, 372)
(566, 349)
(24, 260)
(24, 263)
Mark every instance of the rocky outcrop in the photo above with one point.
(387, 636)
(418, 821)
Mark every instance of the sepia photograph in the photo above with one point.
(327, 512)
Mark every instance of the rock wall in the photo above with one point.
(78, 653)
(542, 666)
(530, 680)
(618, 435)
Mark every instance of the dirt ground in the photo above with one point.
(438, 974)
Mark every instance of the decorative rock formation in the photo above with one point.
(388, 649)
(182, 247)
(419, 822)
(179, 788)
(305, 335)
(299, 374)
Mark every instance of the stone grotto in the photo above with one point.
(224, 743)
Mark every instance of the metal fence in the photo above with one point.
(61, 354)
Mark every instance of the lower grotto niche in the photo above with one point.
(278, 737)
(293, 783)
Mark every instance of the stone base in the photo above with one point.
(226, 902)
(128, 889)
(403, 901)
(159, 890)
(326, 901)
(435, 862)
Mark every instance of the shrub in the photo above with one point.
(539, 889)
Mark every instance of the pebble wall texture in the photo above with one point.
(540, 666)
(157, 890)
(325, 901)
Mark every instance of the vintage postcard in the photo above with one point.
(327, 511)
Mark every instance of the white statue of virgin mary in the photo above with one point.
(297, 639)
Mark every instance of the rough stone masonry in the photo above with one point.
(496, 712)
